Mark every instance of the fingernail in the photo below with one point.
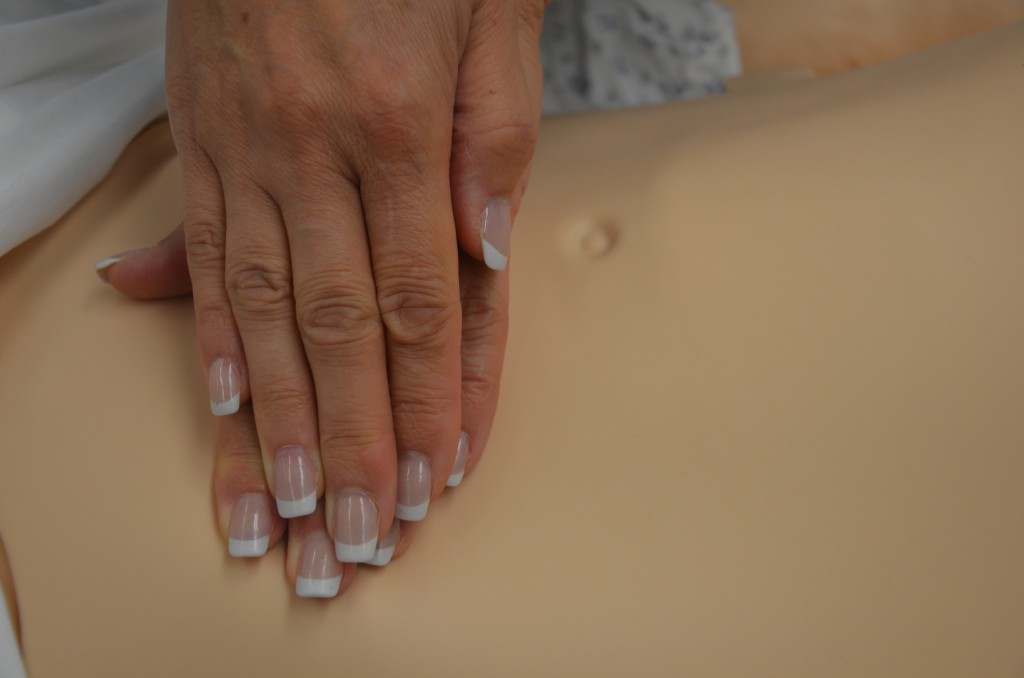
(251, 525)
(386, 548)
(225, 387)
(413, 486)
(102, 266)
(461, 457)
(355, 526)
(294, 482)
(495, 232)
(319, 573)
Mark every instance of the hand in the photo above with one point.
(244, 503)
(336, 157)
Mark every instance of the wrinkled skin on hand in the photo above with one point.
(345, 163)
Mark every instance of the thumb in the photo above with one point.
(497, 113)
(157, 272)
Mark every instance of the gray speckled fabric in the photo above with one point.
(600, 54)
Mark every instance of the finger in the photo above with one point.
(497, 115)
(245, 513)
(220, 347)
(407, 206)
(156, 272)
(341, 332)
(405, 538)
(387, 545)
(259, 281)
(310, 563)
(484, 333)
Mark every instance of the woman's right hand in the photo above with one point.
(350, 170)
(245, 506)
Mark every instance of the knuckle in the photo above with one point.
(420, 313)
(424, 416)
(293, 103)
(333, 315)
(421, 416)
(478, 389)
(213, 316)
(296, 110)
(513, 141)
(284, 400)
(204, 242)
(483, 320)
(361, 444)
(392, 114)
(256, 285)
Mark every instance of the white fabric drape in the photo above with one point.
(10, 657)
(78, 80)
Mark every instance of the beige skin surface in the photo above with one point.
(761, 414)
(830, 36)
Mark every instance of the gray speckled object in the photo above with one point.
(600, 54)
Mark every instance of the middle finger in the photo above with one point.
(341, 331)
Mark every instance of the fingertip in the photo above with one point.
(496, 233)
(146, 274)
(104, 266)
(405, 537)
(310, 562)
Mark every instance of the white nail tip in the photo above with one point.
(355, 553)
(455, 479)
(412, 513)
(225, 408)
(494, 259)
(297, 507)
(382, 557)
(248, 548)
(317, 588)
(102, 266)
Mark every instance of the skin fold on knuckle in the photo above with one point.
(258, 289)
(508, 144)
(483, 320)
(357, 446)
(420, 314)
(333, 317)
(479, 388)
(213, 318)
(424, 414)
(204, 240)
(284, 400)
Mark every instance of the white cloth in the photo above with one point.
(78, 80)
(10, 656)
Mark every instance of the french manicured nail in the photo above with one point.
(413, 486)
(461, 457)
(251, 525)
(319, 573)
(105, 264)
(355, 526)
(225, 387)
(386, 547)
(495, 233)
(294, 482)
